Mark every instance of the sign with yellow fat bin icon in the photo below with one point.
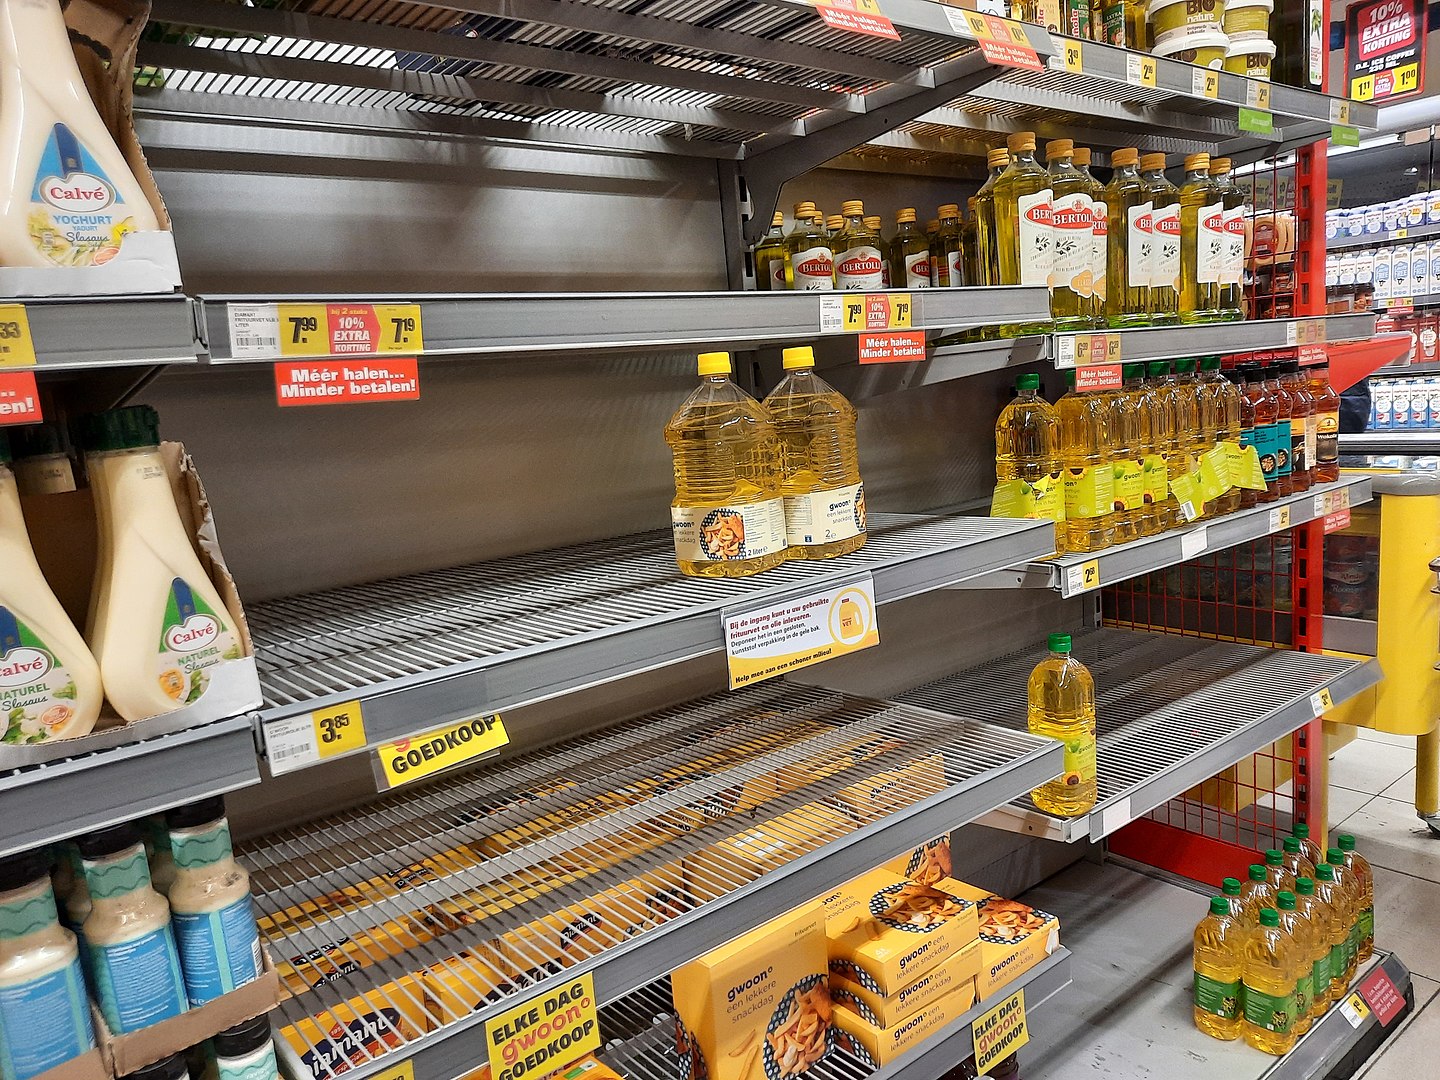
(762, 642)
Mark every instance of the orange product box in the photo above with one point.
(460, 984)
(1014, 937)
(894, 789)
(891, 930)
(330, 1041)
(955, 975)
(862, 1034)
(737, 860)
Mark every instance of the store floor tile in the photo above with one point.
(1370, 767)
(1389, 834)
(1405, 908)
(1344, 802)
(1403, 789)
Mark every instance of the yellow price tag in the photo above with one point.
(1363, 88)
(979, 25)
(17, 348)
(1140, 70)
(1279, 518)
(1400, 234)
(1257, 94)
(1344, 494)
(1090, 574)
(1321, 702)
(1112, 348)
(401, 330)
(868, 7)
(1205, 82)
(901, 308)
(404, 1071)
(1072, 56)
(1407, 79)
(304, 329)
(408, 760)
(545, 1033)
(1000, 1032)
(339, 729)
(1340, 112)
(854, 311)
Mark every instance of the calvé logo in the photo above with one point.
(196, 632)
(79, 192)
(23, 665)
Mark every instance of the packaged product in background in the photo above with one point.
(1400, 403)
(337, 1038)
(820, 462)
(1131, 235)
(876, 226)
(1165, 249)
(1433, 254)
(1365, 267)
(1383, 404)
(863, 1033)
(952, 976)
(1023, 217)
(771, 261)
(1269, 978)
(1284, 442)
(728, 514)
(1153, 484)
(1383, 268)
(1061, 705)
(42, 466)
(758, 1007)
(174, 1067)
(1420, 404)
(1400, 283)
(891, 790)
(1014, 937)
(1029, 476)
(859, 252)
(1126, 448)
(1232, 275)
(1434, 411)
(740, 859)
(458, 985)
(909, 252)
(969, 236)
(1086, 453)
(811, 252)
(1072, 284)
(1218, 959)
(1420, 283)
(50, 684)
(927, 864)
(1303, 426)
(246, 1051)
(947, 254)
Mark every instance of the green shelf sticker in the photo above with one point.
(1344, 135)
(1256, 121)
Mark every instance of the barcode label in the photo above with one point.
(254, 330)
(255, 952)
(290, 744)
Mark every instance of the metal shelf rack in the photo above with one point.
(1209, 339)
(1082, 572)
(520, 854)
(427, 649)
(1418, 232)
(1391, 442)
(111, 331)
(1172, 712)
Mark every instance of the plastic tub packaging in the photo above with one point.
(1202, 50)
(1251, 58)
(1174, 20)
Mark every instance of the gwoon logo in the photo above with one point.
(23, 665)
(81, 193)
(194, 633)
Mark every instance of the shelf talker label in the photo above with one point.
(293, 742)
(1002, 41)
(346, 382)
(902, 347)
(856, 16)
(875, 311)
(545, 1033)
(1205, 82)
(1256, 121)
(19, 398)
(1082, 578)
(1000, 1032)
(1355, 1011)
(1279, 518)
(770, 639)
(405, 761)
(1140, 70)
(17, 347)
(1321, 702)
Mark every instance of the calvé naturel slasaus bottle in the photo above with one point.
(158, 623)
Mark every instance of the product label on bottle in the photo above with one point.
(37, 693)
(1100, 246)
(1157, 485)
(1267, 1011)
(1214, 473)
(1074, 239)
(1217, 998)
(917, 270)
(260, 1065)
(1312, 440)
(1352, 946)
(860, 269)
(138, 981)
(1165, 267)
(1041, 498)
(776, 269)
(813, 270)
(1284, 445)
(823, 517)
(192, 639)
(955, 268)
(1079, 760)
(1337, 961)
(43, 1022)
(1297, 445)
(1234, 269)
(1140, 250)
(1367, 924)
(728, 533)
(1037, 241)
(1129, 484)
(1186, 489)
(1304, 996)
(77, 217)
(219, 950)
(1245, 468)
(1266, 445)
(1212, 245)
(196, 849)
(1315, 39)
(1089, 492)
(1320, 976)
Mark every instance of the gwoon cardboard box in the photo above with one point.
(899, 929)
(890, 790)
(862, 1034)
(740, 859)
(1014, 937)
(955, 975)
(758, 1007)
(320, 1040)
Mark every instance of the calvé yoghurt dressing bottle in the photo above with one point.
(157, 623)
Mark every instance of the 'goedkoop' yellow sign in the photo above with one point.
(408, 760)
(545, 1033)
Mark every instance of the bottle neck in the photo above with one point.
(1023, 159)
(27, 910)
(1197, 176)
(201, 847)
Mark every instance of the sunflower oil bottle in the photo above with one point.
(1356, 864)
(1165, 250)
(1321, 919)
(1231, 415)
(1302, 932)
(1089, 481)
(1130, 239)
(987, 252)
(1308, 847)
(1073, 229)
(1099, 236)
(1029, 478)
(728, 517)
(771, 263)
(1165, 422)
(1348, 881)
(1295, 860)
(1126, 442)
(1154, 436)
(1220, 426)
(1242, 911)
(1232, 276)
(1061, 696)
(1269, 977)
(1182, 387)
(909, 252)
(1024, 223)
(1218, 957)
(859, 261)
(948, 248)
(1257, 890)
(1281, 879)
(812, 254)
(1333, 897)
(1203, 243)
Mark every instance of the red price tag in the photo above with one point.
(904, 347)
(19, 399)
(856, 16)
(1099, 377)
(1382, 995)
(346, 382)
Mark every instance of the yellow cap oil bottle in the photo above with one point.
(1061, 695)
(771, 262)
(1024, 224)
(1099, 237)
(1203, 243)
(947, 255)
(1269, 978)
(1089, 478)
(1029, 478)
(874, 225)
(1165, 251)
(987, 254)
(1131, 239)
(1232, 199)
(1218, 956)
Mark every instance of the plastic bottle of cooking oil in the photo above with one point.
(728, 516)
(1348, 881)
(1099, 236)
(1062, 706)
(1203, 243)
(1154, 427)
(1295, 860)
(1321, 919)
(1308, 847)
(1269, 977)
(1334, 898)
(820, 480)
(909, 252)
(1214, 465)
(1028, 472)
(1072, 293)
(1089, 480)
(1303, 427)
(1182, 388)
(1236, 376)
(874, 224)
(1302, 932)
(987, 253)
(770, 259)
(1232, 200)
(1024, 225)
(1127, 446)
(1165, 251)
(812, 254)
(1230, 425)
(1257, 890)
(1242, 911)
(1130, 241)
(1165, 422)
(1218, 957)
(1279, 877)
(859, 262)
(968, 238)
(1356, 864)
(950, 246)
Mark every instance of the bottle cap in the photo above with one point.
(714, 363)
(777, 220)
(1325, 872)
(17, 871)
(171, 1068)
(36, 440)
(873, 224)
(1274, 858)
(1345, 842)
(1219, 906)
(1335, 857)
(1059, 148)
(1030, 381)
(196, 813)
(1269, 917)
(801, 207)
(1197, 162)
(109, 841)
(243, 1038)
(1158, 367)
(933, 225)
(907, 214)
(998, 158)
(1152, 162)
(1132, 371)
(1287, 900)
(1219, 165)
(1230, 886)
(1210, 363)
(1185, 366)
(852, 208)
(1081, 157)
(1059, 643)
(835, 221)
(1291, 845)
(1305, 886)
(1126, 155)
(798, 356)
(1069, 376)
(1257, 872)
(1021, 142)
(949, 210)
(120, 429)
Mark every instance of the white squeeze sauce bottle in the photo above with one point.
(67, 197)
(49, 682)
(133, 961)
(44, 1013)
(210, 903)
(157, 623)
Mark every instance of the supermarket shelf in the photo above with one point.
(521, 322)
(1169, 342)
(111, 331)
(526, 628)
(1067, 575)
(1391, 442)
(40, 804)
(1173, 711)
(1422, 300)
(604, 808)
(1419, 232)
